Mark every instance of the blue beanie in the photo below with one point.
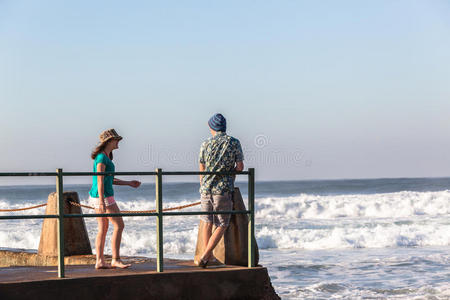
(218, 123)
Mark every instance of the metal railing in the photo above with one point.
(159, 214)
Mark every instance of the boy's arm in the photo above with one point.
(202, 168)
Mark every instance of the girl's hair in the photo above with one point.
(99, 149)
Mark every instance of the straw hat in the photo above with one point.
(108, 135)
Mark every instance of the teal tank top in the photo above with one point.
(107, 180)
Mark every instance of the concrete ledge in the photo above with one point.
(220, 283)
(236, 284)
(181, 279)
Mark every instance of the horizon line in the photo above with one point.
(243, 181)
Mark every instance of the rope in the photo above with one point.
(142, 211)
(25, 208)
(90, 207)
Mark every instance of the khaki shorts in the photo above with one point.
(216, 203)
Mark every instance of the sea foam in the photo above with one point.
(389, 205)
(402, 219)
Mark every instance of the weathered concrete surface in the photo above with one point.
(27, 258)
(181, 280)
(76, 239)
(15, 258)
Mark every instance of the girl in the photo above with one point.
(102, 194)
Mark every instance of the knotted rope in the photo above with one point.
(25, 208)
(141, 211)
(90, 207)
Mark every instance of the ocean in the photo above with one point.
(320, 239)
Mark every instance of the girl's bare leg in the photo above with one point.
(116, 237)
(100, 244)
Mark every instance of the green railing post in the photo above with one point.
(60, 206)
(251, 223)
(159, 222)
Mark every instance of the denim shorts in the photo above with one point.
(216, 203)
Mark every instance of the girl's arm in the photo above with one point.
(120, 182)
(132, 183)
(101, 187)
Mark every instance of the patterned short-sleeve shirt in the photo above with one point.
(219, 154)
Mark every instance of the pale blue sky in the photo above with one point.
(327, 89)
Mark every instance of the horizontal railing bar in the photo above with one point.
(191, 213)
(29, 174)
(25, 174)
(178, 213)
(29, 217)
(154, 173)
(187, 213)
(111, 215)
(107, 173)
(203, 173)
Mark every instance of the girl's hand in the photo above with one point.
(135, 183)
(102, 208)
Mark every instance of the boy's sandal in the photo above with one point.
(202, 263)
(214, 261)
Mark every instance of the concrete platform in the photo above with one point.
(180, 280)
